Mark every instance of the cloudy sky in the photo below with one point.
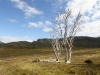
(29, 20)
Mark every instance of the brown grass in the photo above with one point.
(19, 62)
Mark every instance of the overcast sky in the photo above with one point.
(29, 20)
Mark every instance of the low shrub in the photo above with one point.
(88, 61)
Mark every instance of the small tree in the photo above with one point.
(66, 32)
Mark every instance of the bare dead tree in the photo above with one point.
(56, 47)
(66, 32)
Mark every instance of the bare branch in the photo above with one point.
(66, 33)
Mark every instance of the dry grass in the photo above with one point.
(19, 62)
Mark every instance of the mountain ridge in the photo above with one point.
(88, 42)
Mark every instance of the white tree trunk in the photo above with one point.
(68, 57)
(57, 57)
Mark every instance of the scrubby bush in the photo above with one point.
(88, 61)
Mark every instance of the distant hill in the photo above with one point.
(86, 42)
(1, 42)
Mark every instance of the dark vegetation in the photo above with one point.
(86, 42)
(89, 61)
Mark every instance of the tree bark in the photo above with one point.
(68, 56)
